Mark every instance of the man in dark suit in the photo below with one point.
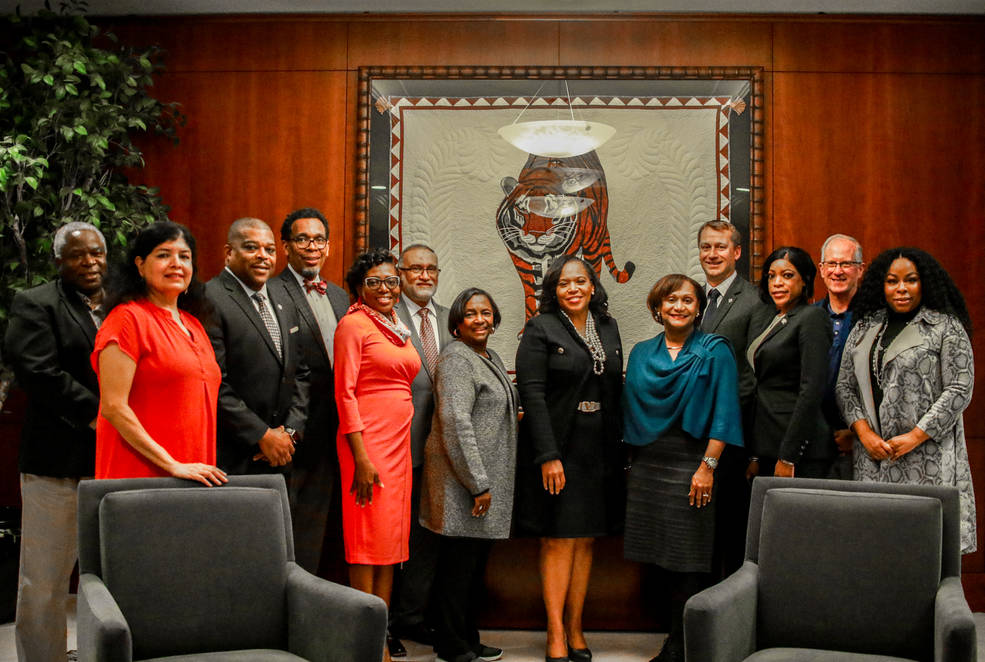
(48, 342)
(428, 322)
(841, 269)
(732, 300)
(319, 306)
(255, 333)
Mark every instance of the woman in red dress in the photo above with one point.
(158, 377)
(375, 362)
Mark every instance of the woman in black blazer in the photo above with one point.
(570, 483)
(789, 355)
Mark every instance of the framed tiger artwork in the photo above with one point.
(433, 169)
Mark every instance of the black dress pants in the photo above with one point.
(413, 579)
(457, 594)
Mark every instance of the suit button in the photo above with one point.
(560, 350)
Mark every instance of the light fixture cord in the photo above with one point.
(531, 101)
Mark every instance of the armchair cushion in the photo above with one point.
(829, 578)
(720, 621)
(156, 576)
(814, 655)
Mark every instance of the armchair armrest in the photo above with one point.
(103, 633)
(327, 621)
(954, 626)
(720, 621)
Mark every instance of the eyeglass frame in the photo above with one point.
(304, 241)
(417, 269)
(382, 281)
(844, 265)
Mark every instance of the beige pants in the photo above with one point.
(49, 547)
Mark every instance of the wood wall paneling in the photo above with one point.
(655, 42)
(240, 44)
(453, 42)
(256, 144)
(914, 46)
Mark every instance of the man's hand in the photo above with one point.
(277, 446)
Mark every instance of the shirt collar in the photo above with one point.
(723, 286)
(412, 306)
(249, 291)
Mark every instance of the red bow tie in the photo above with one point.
(319, 285)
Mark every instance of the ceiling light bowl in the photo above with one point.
(557, 138)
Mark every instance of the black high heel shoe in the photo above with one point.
(580, 654)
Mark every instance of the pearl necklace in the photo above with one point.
(592, 342)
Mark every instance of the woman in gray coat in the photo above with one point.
(906, 378)
(469, 465)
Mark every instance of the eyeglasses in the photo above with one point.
(418, 269)
(843, 265)
(303, 241)
(374, 283)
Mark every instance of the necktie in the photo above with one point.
(427, 341)
(269, 322)
(317, 285)
(711, 310)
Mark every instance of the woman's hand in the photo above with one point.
(902, 444)
(552, 473)
(203, 473)
(875, 446)
(365, 477)
(701, 484)
(783, 469)
(481, 505)
(752, 470)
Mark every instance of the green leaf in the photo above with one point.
(32, 182)
(81, 130)
(38, 210)
(80, 67)
(48, 79)
(67, 132)
(26, 68)
(71, 89)
(104, 201)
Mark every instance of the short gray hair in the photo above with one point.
(857, 255)
(61, 236)
(413, 247)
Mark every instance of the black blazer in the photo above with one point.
(323, 419)
(734, 319)
(259, 390)
(49, 342)
(791, 374)
(552, 366)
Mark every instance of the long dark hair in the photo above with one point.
(802, 262)
(125, 283)
(598, 304)
(937, 289)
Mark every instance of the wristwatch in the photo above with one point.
(292, 433)
(712, 462)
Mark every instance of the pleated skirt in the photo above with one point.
(661, 526)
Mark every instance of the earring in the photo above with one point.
(658, 318)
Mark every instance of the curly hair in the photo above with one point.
(598, 304)
(937, 289)
(305, 212)
(363, 263)
(802, 262)
(125, 283)
(456, 311)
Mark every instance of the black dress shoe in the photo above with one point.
(395, 646)
(418, 632)
(580, 654)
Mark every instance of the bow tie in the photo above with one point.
(319, 285)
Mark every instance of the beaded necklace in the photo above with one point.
(592, 342)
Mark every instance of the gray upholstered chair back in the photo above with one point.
(848, 571)
(948, 496)
(193, 569)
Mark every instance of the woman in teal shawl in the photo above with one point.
(680, 408)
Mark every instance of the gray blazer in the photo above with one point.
(928, 377)
(422, 388)
(733, 320)
(472, 446)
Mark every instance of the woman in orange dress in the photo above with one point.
(375, 362)
(158, 377)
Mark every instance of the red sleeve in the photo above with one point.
(348, 356)
(121, 327)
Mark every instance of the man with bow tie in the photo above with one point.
(731, 303)
(319, 305)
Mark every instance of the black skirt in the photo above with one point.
(661, 526)
(593, 499)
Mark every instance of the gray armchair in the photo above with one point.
(840, 571)
(172, 570)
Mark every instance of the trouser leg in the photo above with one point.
(310, 491)
(412, 585)
(49, 548)
(457, 586)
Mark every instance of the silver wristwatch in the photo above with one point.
(712, 462)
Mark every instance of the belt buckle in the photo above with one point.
(589, 406)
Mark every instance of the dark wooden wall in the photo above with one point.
(874, 127)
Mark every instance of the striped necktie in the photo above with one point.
(427, 341)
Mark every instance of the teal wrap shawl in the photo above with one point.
(699, 391)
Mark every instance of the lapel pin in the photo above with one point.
(783, 321)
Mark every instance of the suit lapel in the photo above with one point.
(236, 293)
(300, 299)
(782, 324)
(404, 316)
(78, 313)
(725, 304)
(860, 356)
(908, 338)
